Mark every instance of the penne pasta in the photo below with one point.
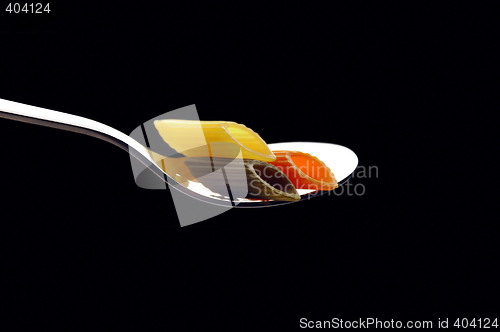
(203, 138)
(305, 171)
(258, 180)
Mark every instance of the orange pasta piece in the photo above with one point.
(305, 171)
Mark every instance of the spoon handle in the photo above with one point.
(45, 117)
(49, 118)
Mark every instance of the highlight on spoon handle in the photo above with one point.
(49, 118)
(70, 122)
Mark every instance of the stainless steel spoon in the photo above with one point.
(341, 160)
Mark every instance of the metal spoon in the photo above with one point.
(341, 160)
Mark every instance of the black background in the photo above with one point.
(82, 245)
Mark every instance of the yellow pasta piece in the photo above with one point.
(187, 136)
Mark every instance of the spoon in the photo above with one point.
(341, 160)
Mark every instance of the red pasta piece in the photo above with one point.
(305, 171)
